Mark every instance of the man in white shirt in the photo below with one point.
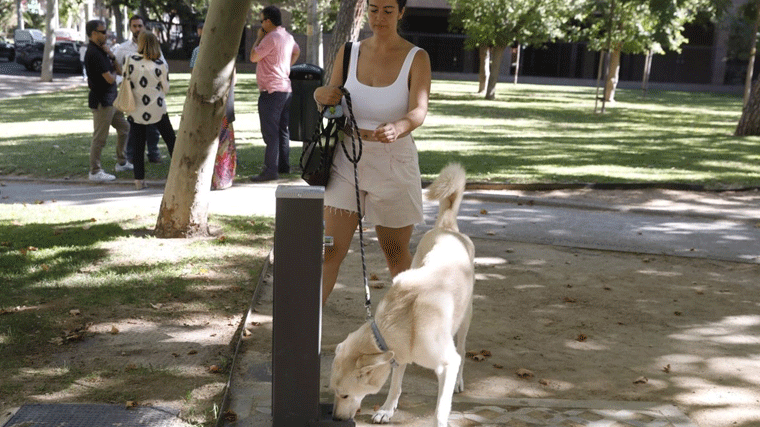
(122, 51)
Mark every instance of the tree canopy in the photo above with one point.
(504, 22)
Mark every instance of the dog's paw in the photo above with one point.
(459, 386)
(382, 417)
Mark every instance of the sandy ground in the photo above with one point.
(592, 325)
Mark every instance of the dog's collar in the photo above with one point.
(379, 340)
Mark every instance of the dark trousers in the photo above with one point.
(274, 114)
(152, 136)
(137, 139)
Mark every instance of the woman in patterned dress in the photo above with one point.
(149, 77)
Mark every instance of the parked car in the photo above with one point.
(7, 50)
(28, 36)
(65, 57)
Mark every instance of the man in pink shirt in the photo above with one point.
(274, 52)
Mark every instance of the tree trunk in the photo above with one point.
(484, 57)
(612, 76)
(497, 53)
(118, 17)
(347, 27)
(647, 72)
(184, 207)
(749, 123)
(46, 74)
(752, 54)
(518, 49)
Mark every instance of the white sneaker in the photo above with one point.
(125, 167)
(101, 176)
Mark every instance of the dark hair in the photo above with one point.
(401, 4)
(273, 14)
(93, 25)
(200, 24)
(135, 18)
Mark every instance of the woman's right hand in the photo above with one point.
(328, 95)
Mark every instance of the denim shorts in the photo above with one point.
(390, 189)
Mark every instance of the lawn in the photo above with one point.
(529, 134)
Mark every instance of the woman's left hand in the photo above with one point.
(386, 133)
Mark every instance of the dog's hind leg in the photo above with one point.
(447, 377)
(384, 414)
(461, 339)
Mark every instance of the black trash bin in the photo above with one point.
(304, 116)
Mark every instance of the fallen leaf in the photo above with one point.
(130, 367)
(247, 332)
(45, 267)
(490, 233)
(483, 212)
(56, 341)
(498, 366)
(678, 313)
(543, 381)
(175, 354)
(255, 323)
(114, 330)
(581, 338)
(75, 312)
(157, 306)
(470, 354)
(214, 369)
(641, 380)
(373, 276)
(569, 300)
(230, 416)
(666, 369)
(525, 374)
(191, 352)
(93, 220)
(221, 239)
(485, 353)
(478, 358)
(377, 286)
(132, 404)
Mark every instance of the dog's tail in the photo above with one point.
(448, 189)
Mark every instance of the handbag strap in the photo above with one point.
(346, 60)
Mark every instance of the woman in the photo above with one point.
(149, 76)
(383, 67)
(225, 164)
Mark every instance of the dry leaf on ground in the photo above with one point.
(525, 374)
(641, 380)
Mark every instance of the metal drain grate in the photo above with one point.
(92, 415)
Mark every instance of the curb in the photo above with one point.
(225, 403)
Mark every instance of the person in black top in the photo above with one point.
(102, 69)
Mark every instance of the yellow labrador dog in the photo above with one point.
(419, 317)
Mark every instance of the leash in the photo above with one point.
(354, 158)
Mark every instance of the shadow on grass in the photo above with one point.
(117, 273)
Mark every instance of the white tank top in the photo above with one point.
(373, 106)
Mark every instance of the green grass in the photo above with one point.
(105, 263)
(528, 134)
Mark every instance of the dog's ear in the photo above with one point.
(367, 362)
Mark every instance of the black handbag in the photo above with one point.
(318, 152)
